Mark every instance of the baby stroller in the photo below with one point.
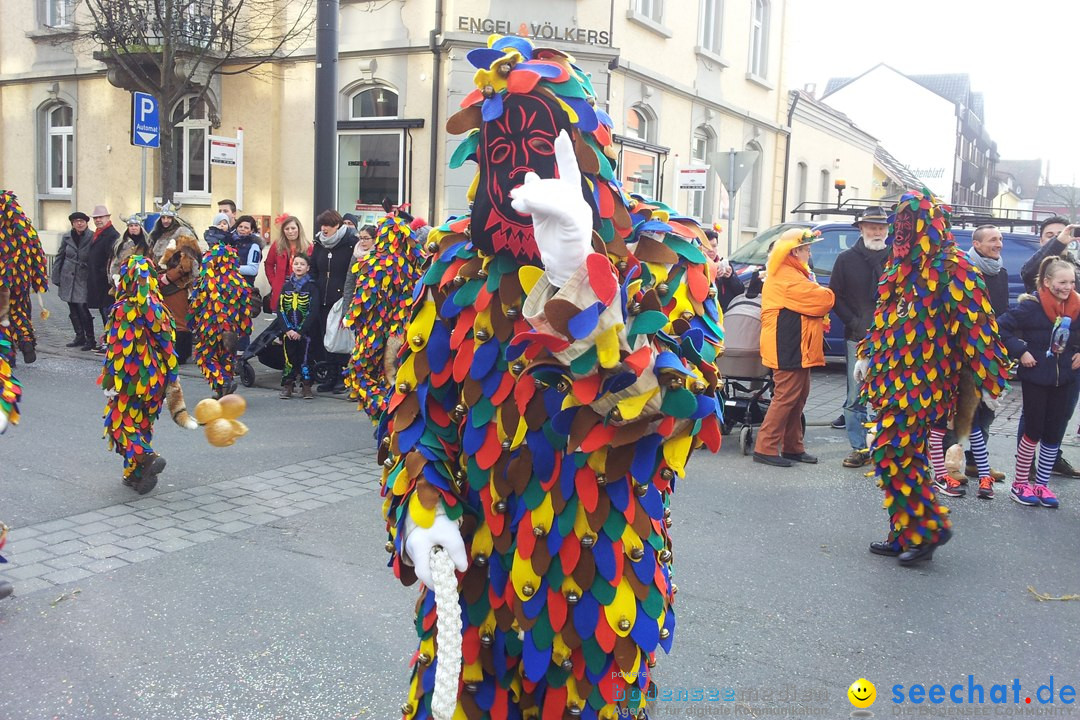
(748, 385)
(268, 348)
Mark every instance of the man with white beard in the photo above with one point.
(854, 281)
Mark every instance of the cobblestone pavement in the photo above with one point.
(72, 548)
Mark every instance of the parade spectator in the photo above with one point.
(71, 275)
(330, 262)
(228, 207)
(1055, 236)
(854, 281)
(101, 246)
(350, 220)
(298, 320)
(248, 246)
(167, 228)
(365, 243)
(132, 242)
(291, 241)
(728, 284)
(1035, 332)
(793, 312)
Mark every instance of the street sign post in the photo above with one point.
(145, 131)
(733, 169)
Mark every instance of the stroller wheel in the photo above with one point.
(746, 440)
(323, 371)
(247, 374)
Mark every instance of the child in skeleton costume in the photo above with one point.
(933, 323)
(220, 313)
(139, 373)
(557, 372)
(386, 278)
(297, 320)
(23, 270)
(10, 389)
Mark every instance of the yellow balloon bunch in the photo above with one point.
(219, 419)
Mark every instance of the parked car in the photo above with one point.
(837, 237)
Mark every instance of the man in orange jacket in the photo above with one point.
(794, 309)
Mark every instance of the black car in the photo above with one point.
(837, 237)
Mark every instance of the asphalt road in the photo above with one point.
(299, 618)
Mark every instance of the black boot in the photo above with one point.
(89, 341)
(149, 467)
(29, 352)
(80, 335)
(78, 342)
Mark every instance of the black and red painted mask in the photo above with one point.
(522, 139)
(903, 233)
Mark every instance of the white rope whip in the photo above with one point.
(448, 622)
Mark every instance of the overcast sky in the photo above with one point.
(1023, 56)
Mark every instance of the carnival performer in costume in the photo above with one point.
(933, 322)
(10, 389)
(557, 372)
(380, 309)
(139, 373)
(25, 271)
(220, 313)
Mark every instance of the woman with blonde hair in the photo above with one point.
(291, 241)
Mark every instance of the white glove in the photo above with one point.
(862, 367)
(110, 393)
(992, 403)
(562, 220)
(3, 423)
(419, 541)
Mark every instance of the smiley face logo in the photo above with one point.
(862, 693)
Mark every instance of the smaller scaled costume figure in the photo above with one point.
(139, 367)
(23, 270)
(10, 389)
(298, 312)
(379, 312)
(220, 313)
(933, 322)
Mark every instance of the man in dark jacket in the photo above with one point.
(97, 280)
(854, 280)
(331, 258)
(1055, 236)
(70, 273)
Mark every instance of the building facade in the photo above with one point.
(932, 123)
(681, 80)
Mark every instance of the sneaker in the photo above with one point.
(949, 486)
(839, 423)
(1023, 494)
(1063, 468)
(857, 459)
(986, 488)
(1045, 495)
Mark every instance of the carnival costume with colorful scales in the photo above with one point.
(140, 364)
(10, 389)
(551, 422)
(380, 309)
(933, 321)
(23, 270)
(220, 313)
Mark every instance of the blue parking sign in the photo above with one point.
(145, 121)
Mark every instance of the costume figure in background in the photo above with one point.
(10, 389)
(298, 317)
(557, 372)
(933, 322)
(24, 269)
(220, 313)
(385, 280)
(138, 374)
(177, 273)
(168, 229)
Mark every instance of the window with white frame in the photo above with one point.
(373, 102)
(700, 148)
(60, 148)
(750, 202)
(637, 124)
(652, 9)
(639, 167)
(58, 13)
(370, 167)
(192, 145)
(759, 39)
(712, 17)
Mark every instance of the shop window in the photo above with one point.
(369, 168)
(373, 102)
(759, 39)
(191, 145)
(60, 148)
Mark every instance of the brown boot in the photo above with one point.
(287, 391)
(149, 466)
(305, 390)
